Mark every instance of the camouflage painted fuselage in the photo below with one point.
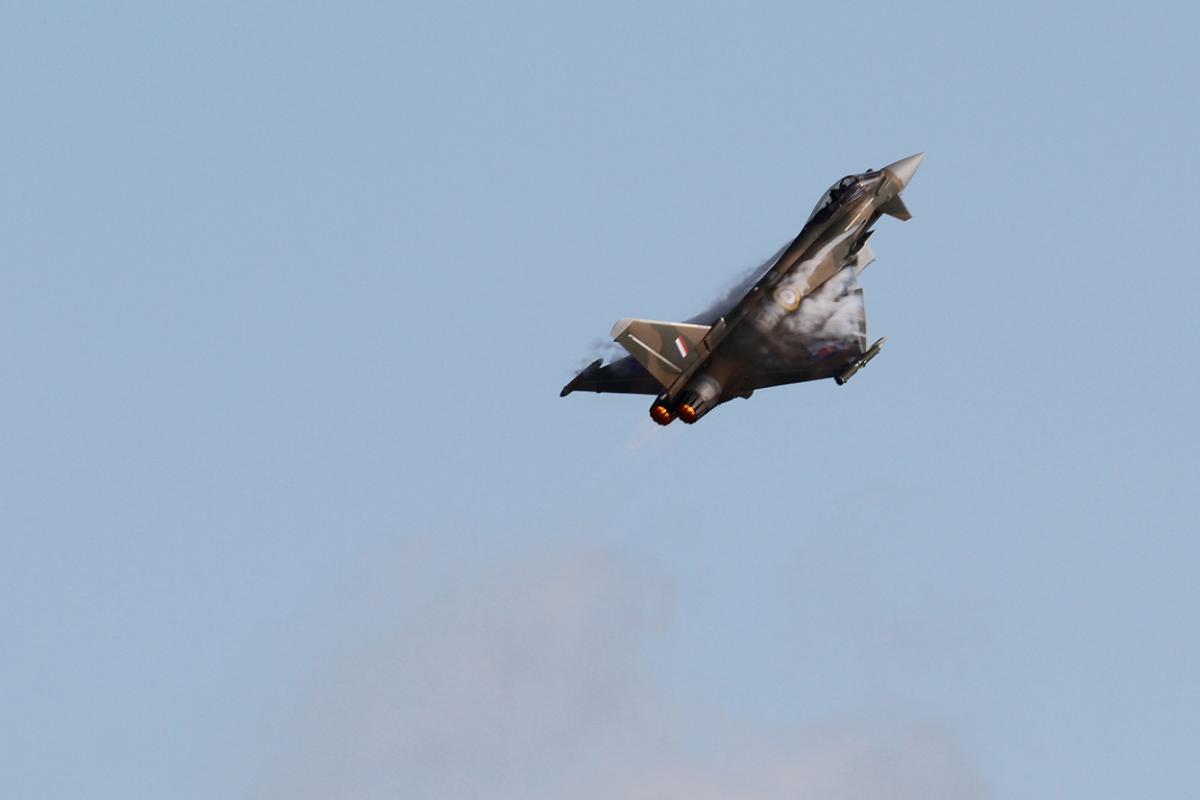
(804, 319)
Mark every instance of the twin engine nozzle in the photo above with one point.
(701, 396)
(661, 414)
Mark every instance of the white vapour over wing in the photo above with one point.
(835, 312)
(527, 680)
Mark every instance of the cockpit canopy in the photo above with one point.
(842, 187)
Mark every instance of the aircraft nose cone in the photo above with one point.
(905, 168)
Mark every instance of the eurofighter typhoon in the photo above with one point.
(802, 320)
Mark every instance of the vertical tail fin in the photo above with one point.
(666, 349)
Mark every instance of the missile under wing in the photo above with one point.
(803, 319)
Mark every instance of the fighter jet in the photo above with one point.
(802, 320)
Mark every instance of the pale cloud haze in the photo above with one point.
(530, 678)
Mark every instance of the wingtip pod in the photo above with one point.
(861, 362)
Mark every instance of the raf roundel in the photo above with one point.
(788, 297)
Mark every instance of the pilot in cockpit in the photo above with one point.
(841, 187)
(835, 193)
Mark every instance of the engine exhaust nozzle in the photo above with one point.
(661, 414)
(701, 396)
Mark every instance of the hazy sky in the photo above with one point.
(290, 505)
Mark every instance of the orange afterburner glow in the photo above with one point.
(687, 413)
(661, 414)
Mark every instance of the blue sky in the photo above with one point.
(290, 502)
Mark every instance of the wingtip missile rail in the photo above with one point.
(860, 363)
